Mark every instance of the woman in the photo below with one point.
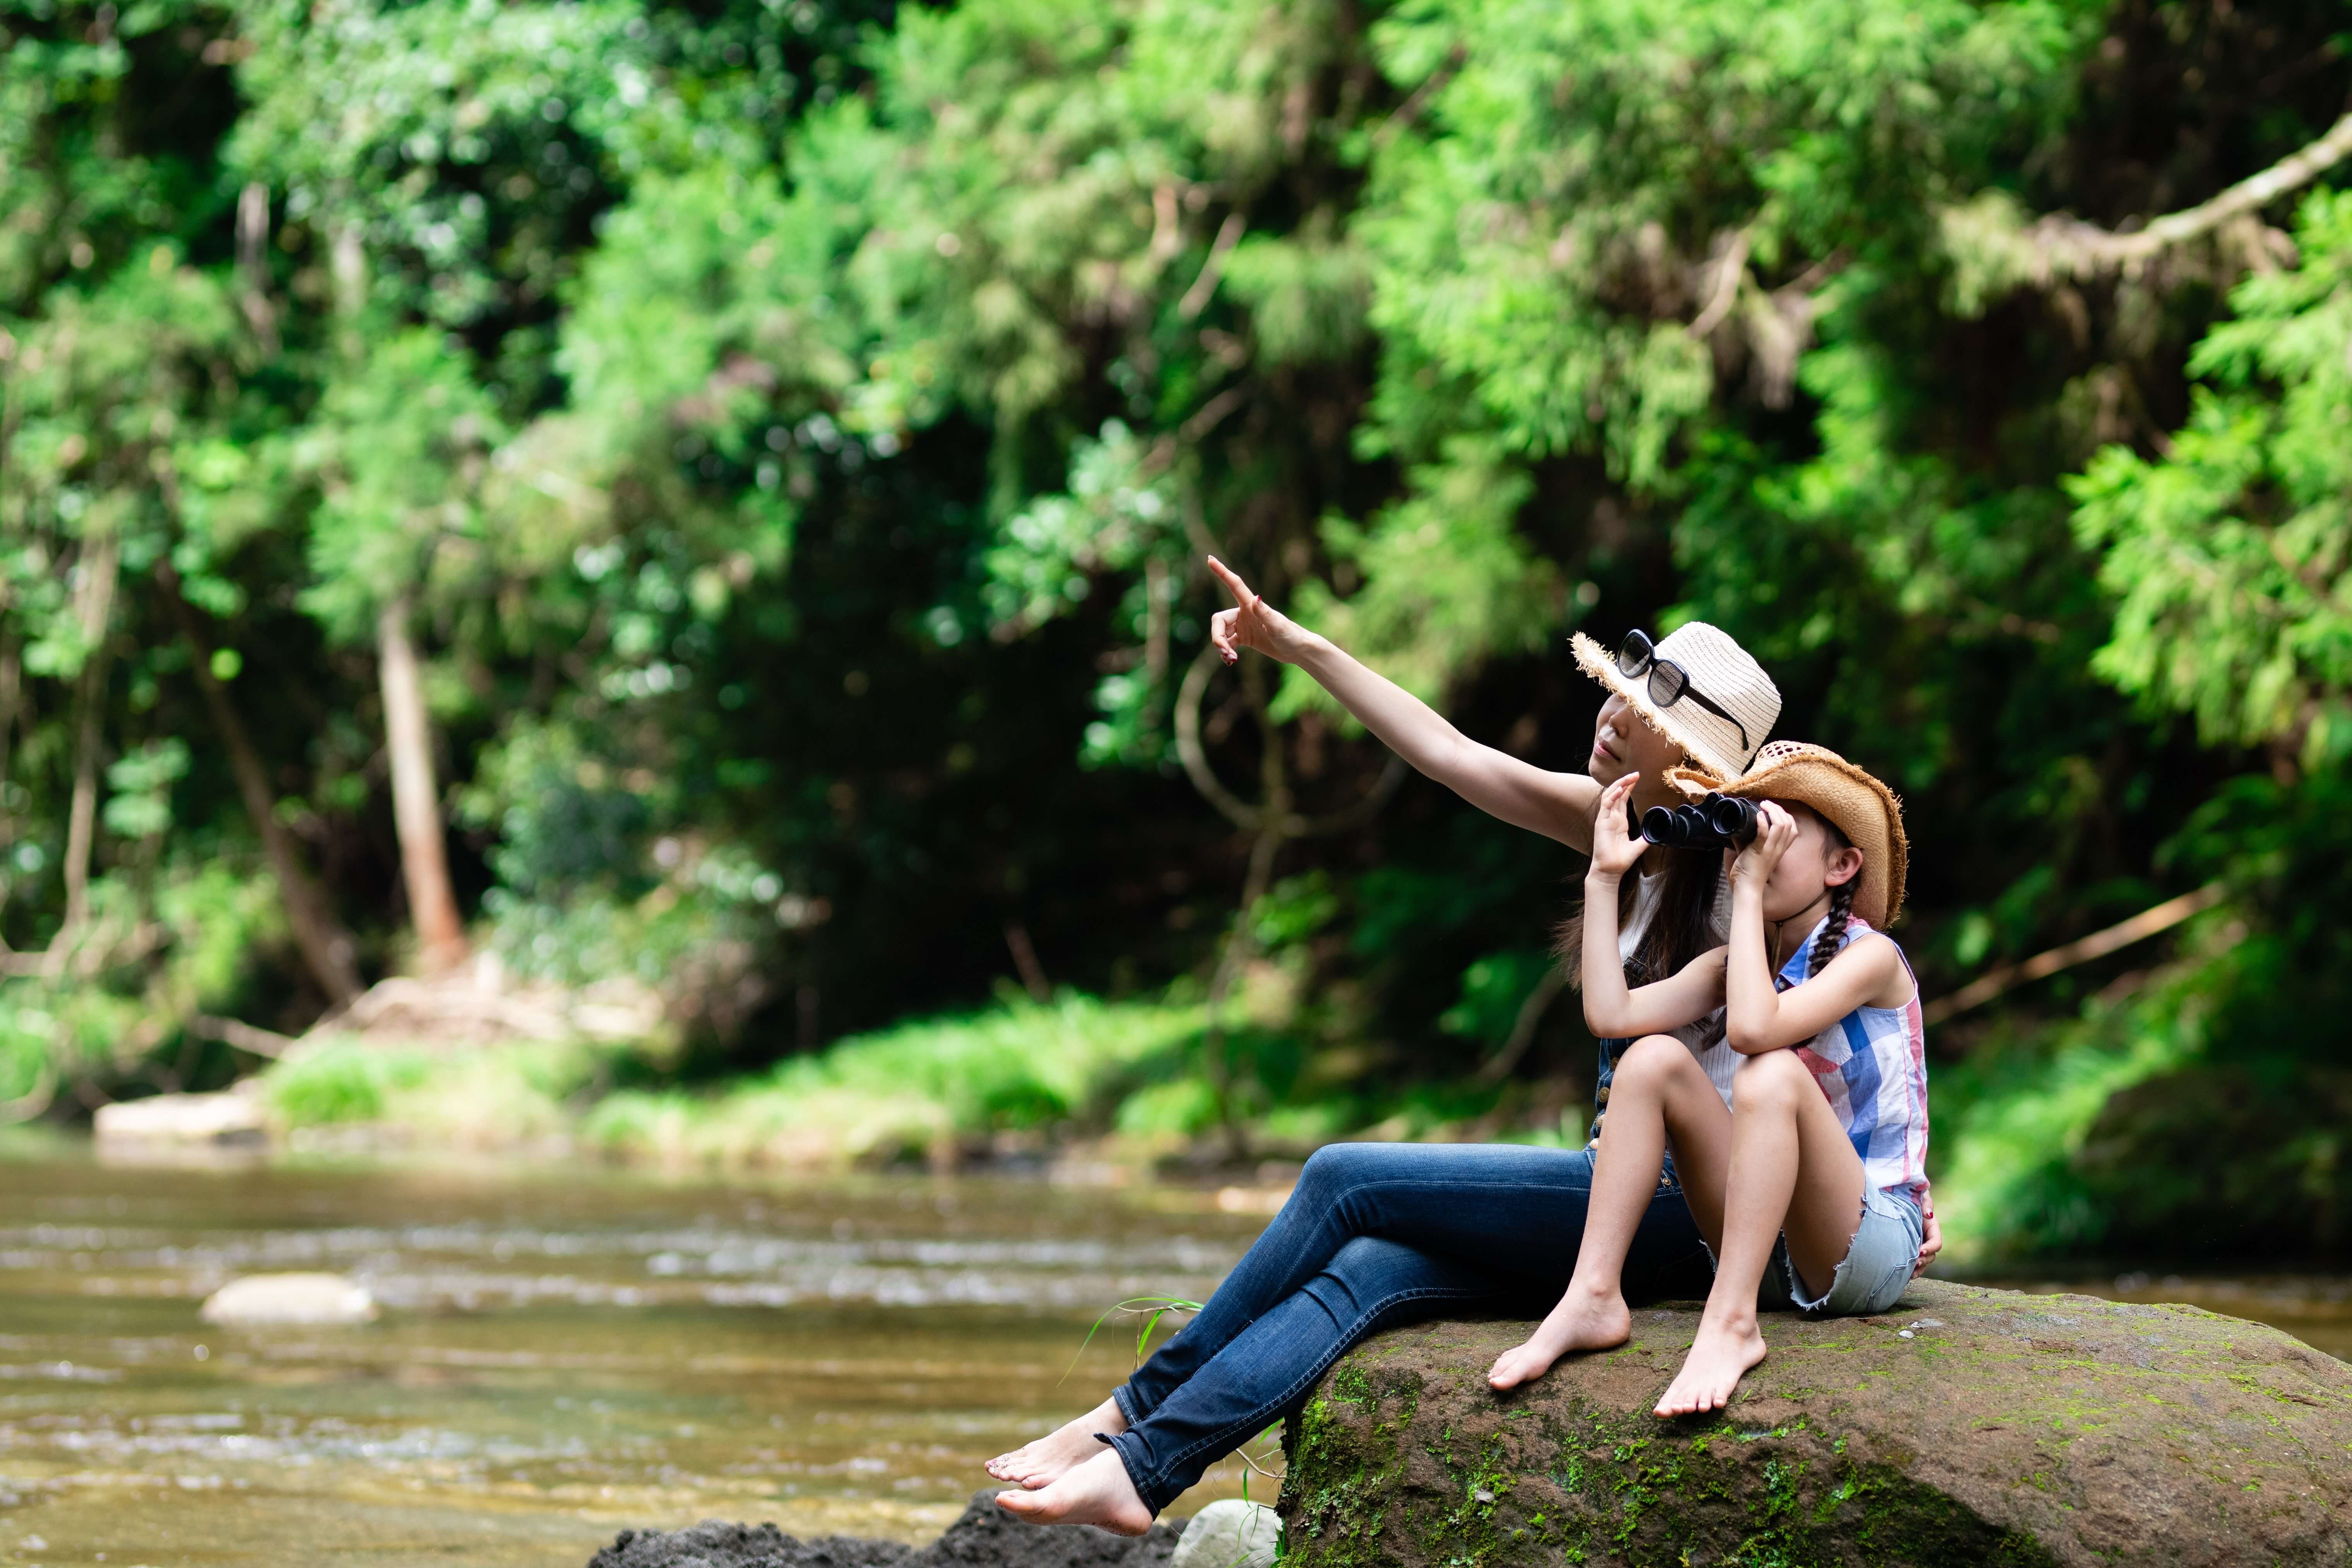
(1381, 1234)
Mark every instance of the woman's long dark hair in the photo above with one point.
(1683, 928)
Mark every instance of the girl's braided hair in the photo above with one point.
(1825, 946)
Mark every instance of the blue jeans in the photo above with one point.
(1377, 1235)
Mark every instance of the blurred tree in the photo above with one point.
(102, 395)
(404, 443)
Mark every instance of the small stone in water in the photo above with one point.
(290, 1299)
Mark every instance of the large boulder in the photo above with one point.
(1967, 1426)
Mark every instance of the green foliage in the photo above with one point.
(138, 788)
(166, 943)
(1540, 247)
(1293, 910)
(353, 1084)
(907, 1092)
(1448, 581)
(794, 429)
(493, 1097)
(401, 447)
(1493, 990)
(2228, 555)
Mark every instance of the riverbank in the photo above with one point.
(2025, 1156)
(1080, 1081)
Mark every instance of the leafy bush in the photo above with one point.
(479, 1096)
(915, 1089)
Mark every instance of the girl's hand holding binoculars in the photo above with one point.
(1252, 623)
(1775, 831)
(1615, 846)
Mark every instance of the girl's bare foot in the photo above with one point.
(1719, 1357)
(1098, 1492)
(1047, 1460)
(1584, 1321)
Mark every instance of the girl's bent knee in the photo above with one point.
(1654, 1057)
(1770, 1078)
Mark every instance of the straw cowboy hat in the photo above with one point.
(1723, 711)
(1864, 810)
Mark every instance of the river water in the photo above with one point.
(562, 1352)
(567, 1351)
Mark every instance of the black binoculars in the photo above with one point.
(1717, 822)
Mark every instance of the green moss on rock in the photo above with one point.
(2005, 1429)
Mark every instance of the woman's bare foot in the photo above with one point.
(1047, 1460)
(1584, 1321)
(1719, 1357)
(1098, 1492)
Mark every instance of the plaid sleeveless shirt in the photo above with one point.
(1873, 1065)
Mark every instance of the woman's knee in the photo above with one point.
(1652, 1059)
(1332, 1169)
(1770, 1078)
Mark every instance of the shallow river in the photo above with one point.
(567, 1351)
(562, 1352)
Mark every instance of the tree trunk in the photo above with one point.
(415, 799)
(325, 946)
(94, 607)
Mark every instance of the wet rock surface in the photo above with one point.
(984, 1537)
(1969, 1426)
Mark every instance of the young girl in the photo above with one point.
(1812, 1189)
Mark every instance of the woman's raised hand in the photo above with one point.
(1775, 831)
(1252, 623)
(1615, 847)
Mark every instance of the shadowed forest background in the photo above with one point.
(702, 505)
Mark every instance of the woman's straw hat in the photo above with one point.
(1720, 670)
(1864, 810)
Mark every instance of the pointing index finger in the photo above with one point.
(1233, 585)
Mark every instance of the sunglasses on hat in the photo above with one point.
(1669, 682)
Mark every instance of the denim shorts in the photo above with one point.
(1877, 1267)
